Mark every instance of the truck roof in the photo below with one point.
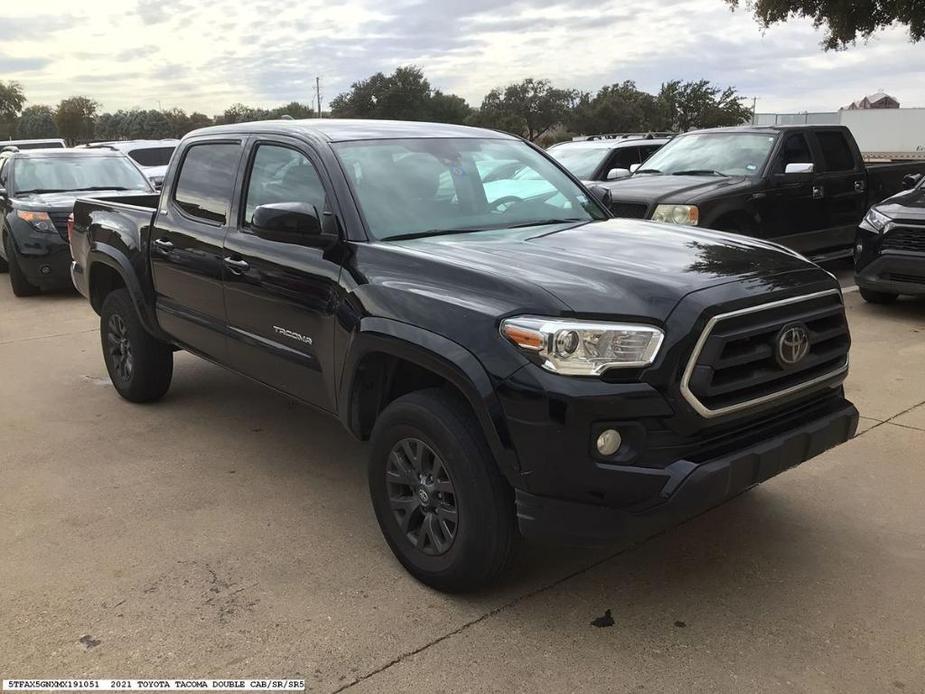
(770, 129)
(62, 152)
(343, 129)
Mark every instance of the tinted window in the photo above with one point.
(432, 185)
(51, 144)
(206, 180)
(3, 172)
(836, 153)
(794, 151)
(624, 158)
(582, 161)
(280, 174)
(66, 173)
(152, 156)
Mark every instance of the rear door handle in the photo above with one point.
(163, 244)
(237, 266)
(818, 192)
(859, 186)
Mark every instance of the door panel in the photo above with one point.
(843, 183)
(186, 247)
(280, 298)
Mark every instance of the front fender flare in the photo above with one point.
(451, 361)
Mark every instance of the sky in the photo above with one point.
(204, 56)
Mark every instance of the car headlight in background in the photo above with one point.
(875, 221)
(676, 214)
(39, 220)
(584, 348)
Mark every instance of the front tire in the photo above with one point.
(441, 502)
(140, 366)
(874, 297)
(20, 285)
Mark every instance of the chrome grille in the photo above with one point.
(905, 238)
(734, 364)
(630, 210)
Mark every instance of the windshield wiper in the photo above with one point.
(101, 188)
(639, 171)
(543, 222)
(434, 232)
(39, 191)
(700, 172)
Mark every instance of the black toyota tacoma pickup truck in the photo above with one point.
(521, 362)
(806, 187)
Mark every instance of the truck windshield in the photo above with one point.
(422, 187)
(726, 154)
(581, 160)
(60, 174)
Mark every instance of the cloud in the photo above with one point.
(206, 56)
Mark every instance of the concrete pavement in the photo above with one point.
(227, 532)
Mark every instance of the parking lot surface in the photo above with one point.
(227, 532)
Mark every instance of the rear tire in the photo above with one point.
(140, 366)
(441, 502)
(874, 297)
(18, 282)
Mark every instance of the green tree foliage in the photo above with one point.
(617, 108)
(404, 95)
(529, 108)
(36, 122)
(75, 118)
(844, 20)
(12, 100)
(687, 105)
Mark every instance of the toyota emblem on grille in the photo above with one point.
(792, 345)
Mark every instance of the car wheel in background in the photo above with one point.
(139, 365)
(875, 297)
(441, 502)
(20, 285)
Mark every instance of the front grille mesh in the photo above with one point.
(737, 362)
(905, 238)
(629, 210)
(59, 219)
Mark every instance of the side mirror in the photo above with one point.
(289, 222)
(634, 168)
(910, 181)
(601, 194)
(795, 169)
(614, 174)
(2, 192)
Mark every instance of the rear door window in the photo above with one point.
(206, 180)
(152, 156)
(836, 152)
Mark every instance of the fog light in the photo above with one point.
(609, 442)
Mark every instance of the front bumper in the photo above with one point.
(894, 273)
(691, 488)
(44, 257)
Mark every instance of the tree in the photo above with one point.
(844, 20)
(528, 108)
(404, 95)
(12, 100)
(75, 119)
(687, 105)
(198, 120)
(36, 122)
(616, 108)
(240, 113)
(294, 109)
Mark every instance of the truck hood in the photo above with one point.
(909, 205)
(615, 267)
(65, 200)
(656, 188)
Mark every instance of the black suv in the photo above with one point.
(518, 359)
(37, 192)
(889, 256)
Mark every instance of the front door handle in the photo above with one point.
(237, 266)
(818, 192)
(163, 244)
(859, 186)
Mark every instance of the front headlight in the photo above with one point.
(875, 221)
(584, 348)
(39, 220)
(676, 214)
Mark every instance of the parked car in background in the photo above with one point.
(152, 156)
(607, 157)
(37, 193)
(49, 143)
(889, 257)
(518, 359)
(803, 186)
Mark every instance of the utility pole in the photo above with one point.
(754, 108)
(318, 93)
